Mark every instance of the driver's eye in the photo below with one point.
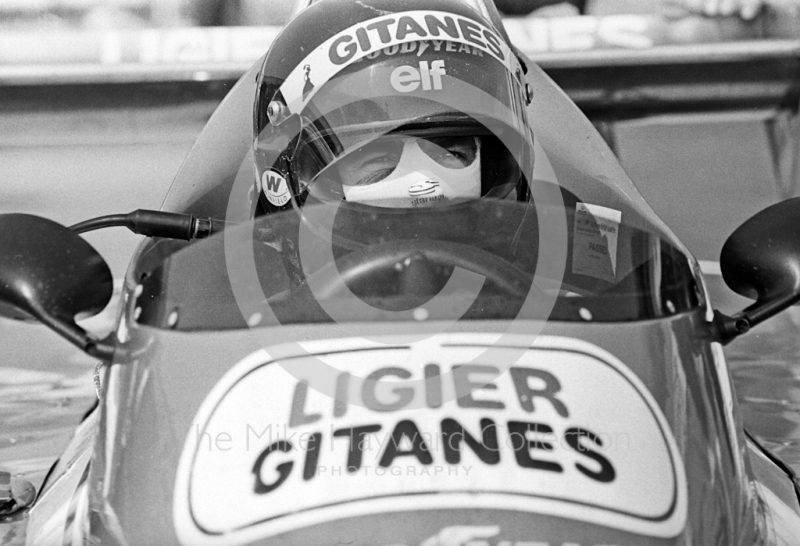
(370, 163)
(374, 173)
(451, 152)
(454, 159)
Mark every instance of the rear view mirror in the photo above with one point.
(761, 261)
(49, 273)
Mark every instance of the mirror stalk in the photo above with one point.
(75, 335)
(729, 328)
(759, 312)
(740, 323)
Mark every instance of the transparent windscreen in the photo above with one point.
(486, 259)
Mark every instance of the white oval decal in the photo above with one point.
(569, 431)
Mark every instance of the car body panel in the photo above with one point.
(146, 452)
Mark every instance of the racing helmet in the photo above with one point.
(391, 103)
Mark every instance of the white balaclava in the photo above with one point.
(419, 181)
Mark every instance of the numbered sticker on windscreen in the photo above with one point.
(594, 249)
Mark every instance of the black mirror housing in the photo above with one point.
(49, 273)
(761, 261)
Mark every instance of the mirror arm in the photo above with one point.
(731, 327)
(102, 349)
(76, 335)
(759, 312)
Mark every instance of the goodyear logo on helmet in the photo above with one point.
(374, 35)
(275, 188)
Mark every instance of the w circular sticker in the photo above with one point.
(275, 187)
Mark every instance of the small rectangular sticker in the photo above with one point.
(594, 249)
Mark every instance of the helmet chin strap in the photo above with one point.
(419, 181)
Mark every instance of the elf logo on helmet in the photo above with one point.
(407, 78)
(275, 187)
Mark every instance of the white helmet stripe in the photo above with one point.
(372, 35)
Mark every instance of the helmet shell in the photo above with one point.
(364, 44)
